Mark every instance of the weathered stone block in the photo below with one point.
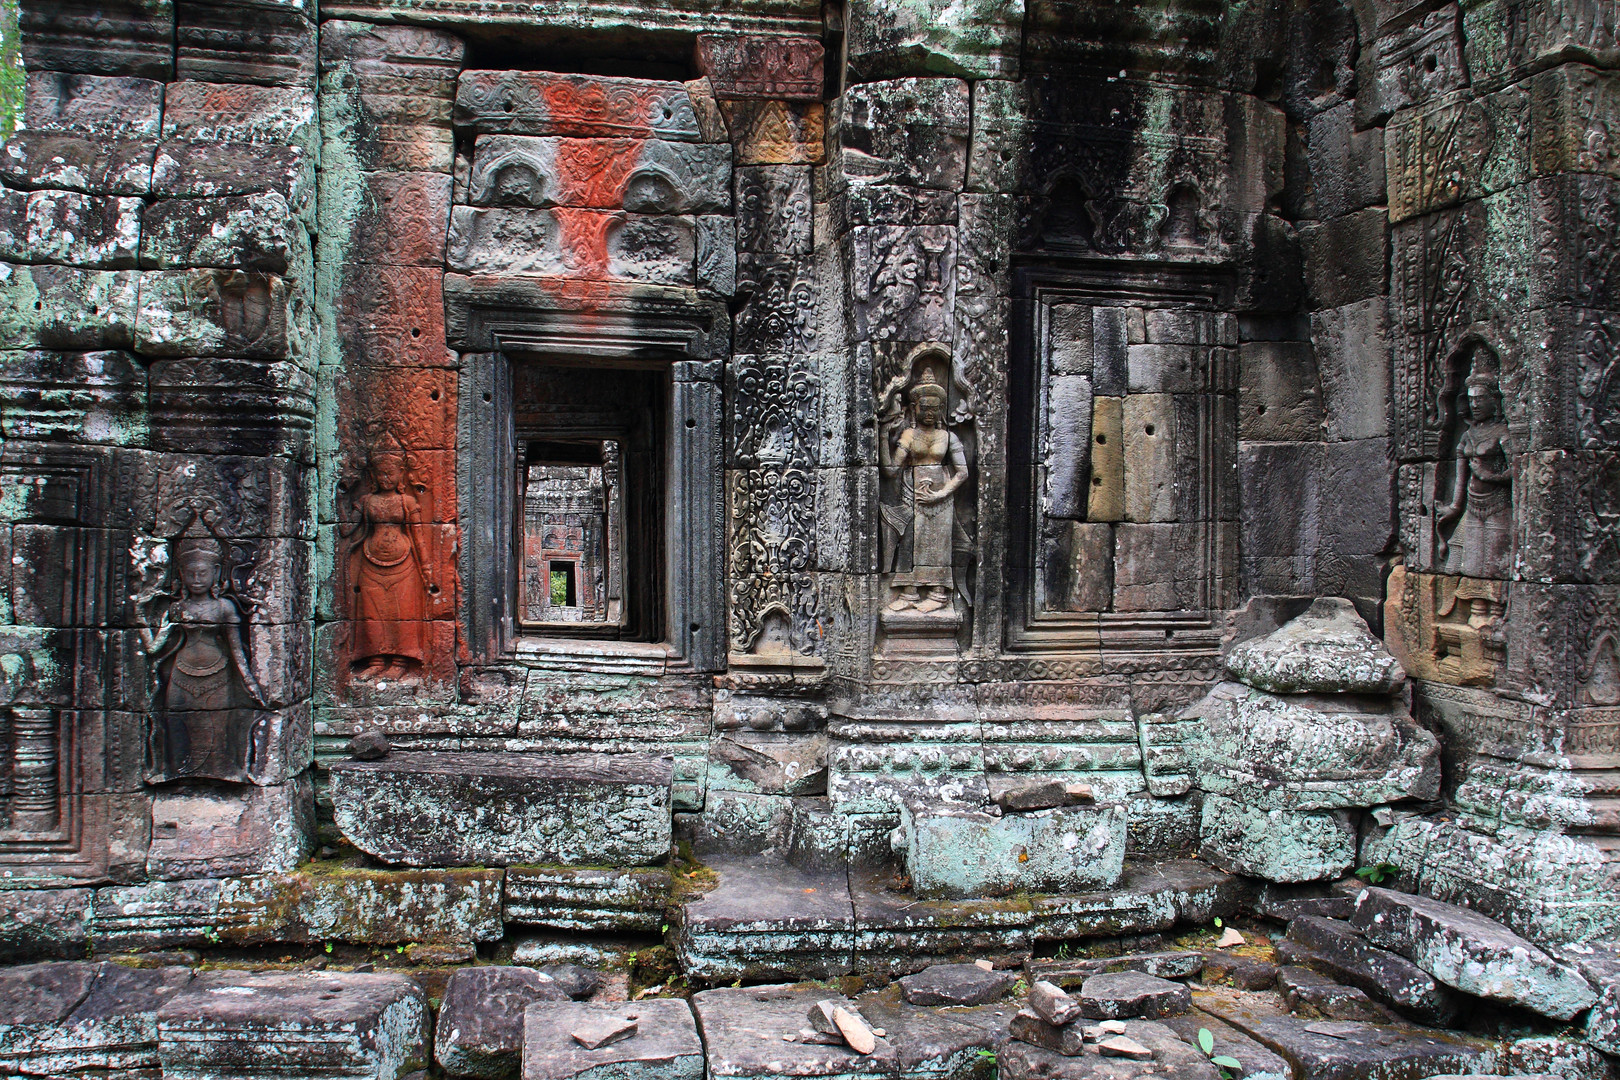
(776, 132)
(273, 46)
(125, 38)
(222, 113)
(1076, 563)
(1347, 166)
(200, 169)
(95, 397)
(1149, 434)
(574, 242)
(232, 407)
(234, 1024)
(967, 854)
(244, 232)
(773, 209)
(1352, 355)
(366, 907)
(973, 39)
(1471, 953)
(1360, 1051)
(664, 1041)
(212, 832)
(479, 1029)
(387, 94)
(906, 131)
(1066, 456)
(1327, 649)
(768, 920)
(220, 313)
(1505, 39)
(1279, 396)
(1346, 259)
(542, 103)
(395, 219)
(648, 176)
(1162, 567)
(630, 900)
(430, 809)
(1130, 994)
(1337, 950)
(67, 227)
(109, 1021)
(122, 108)
(1277, 845)
(73, 162)
(44, 923)
(1410, 64)
(388, 315)
(956, 984)
(762, 66)
(57, 307)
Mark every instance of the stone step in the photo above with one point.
(663, 1045)
(1337, 950)
(75, 1016)
(438, 809)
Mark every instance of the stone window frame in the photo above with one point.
(494, 322)
(1039, 285)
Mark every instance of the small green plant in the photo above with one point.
(1229, 1065)
(329, 948)
(1063, 951)
(212, 935)
(399, 949)
(1218, 923)
(665, 929)
(1377, 875)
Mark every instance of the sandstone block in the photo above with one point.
(479, 1029)
(646, 176)
(220, 313)
(44, 923)
(1471, 953)
(93, 397)
(1351, 346)
(1309, 993)
(58, 307)
(1347, 1050)
(776, 132)
(977, 40)
(198, 169)
(1279, 396)
(1328, 649)
(365, 907)
(1028, 1026)
(1337, 950)
(956, 984)
(113, 1025)
(542, 103)
(1277, 845)
(966, 854)
(1131, 994)
(212, 832)
(432, 809)
(128, 39)
(234, 1024)
(773, 209)
(664, 1043)
(68, 227)
(1346, 260)
(218, 113)
(107, 107)
(243, 232)
(73, 162)
(783, 66)
(906, 131)
(631, 900)
(572, 242)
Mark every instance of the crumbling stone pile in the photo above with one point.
(1313, 726)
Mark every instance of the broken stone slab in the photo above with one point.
(1053, 1004)
(1471, 953)
(1347, 1050)
(1181, 964)
(1327, 650)
(1277, 903)
(577, 982)
(1030, 1027)
(1311, 751)
(1123, 1046)
(1277, 845)
(854, 1030)
(1169, 1055)
(44, 923)
(956, 984)
(74, 162)
(1337, 950)
(662, 1040)
(743, 1029)
(901, 935)
(930, 1043)
(767, 920)
(1258, 1063)
(966, 854)
(1132, 994)
(1149, 897)
(92, 104)
(434, 809)
(1311, 994)
(1243, 972)
(479, 1032)
(68, 1018)
(1555, 1055)
(1035, 795)
(232, 1023)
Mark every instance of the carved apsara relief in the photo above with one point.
(1473, 499)
(210, 717)
(390, 581)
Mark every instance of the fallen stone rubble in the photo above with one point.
(1340, 1006)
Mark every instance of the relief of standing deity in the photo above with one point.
(208, 711)
(1473, 506)
(923, 464)
(388, 574)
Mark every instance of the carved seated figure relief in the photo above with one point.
(924, 464)
(389, 578)
(1473, 510)
(207, 709)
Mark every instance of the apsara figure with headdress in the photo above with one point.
(387, 573)
(919, 530)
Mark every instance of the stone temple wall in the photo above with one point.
(976, 375)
